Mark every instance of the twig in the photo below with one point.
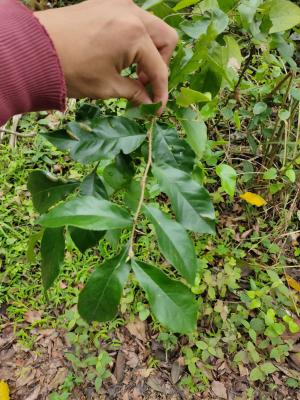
(277, 87)
(143, 187)
(9, 132)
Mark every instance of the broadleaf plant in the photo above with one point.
(141, 168)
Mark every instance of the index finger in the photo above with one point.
(152, 64)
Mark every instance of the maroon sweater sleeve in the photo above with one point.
(31, 78)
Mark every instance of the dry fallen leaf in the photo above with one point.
(32, 316)
(4, 391)
(137, 329)
(156, 384)
(253, 199)
(120, 366)
(144, 372)
(219, 389)
(295, 358)
(292, 283)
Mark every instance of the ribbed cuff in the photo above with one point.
(31, 77)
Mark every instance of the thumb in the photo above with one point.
(133, 90)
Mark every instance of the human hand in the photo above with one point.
(96, 39)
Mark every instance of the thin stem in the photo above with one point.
(143, 188)
(9, 132)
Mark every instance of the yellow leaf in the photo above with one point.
(292, 283)
(254, 199)
(4, 391)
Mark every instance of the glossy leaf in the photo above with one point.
(195, 130)
(190, 201)
(47, 190)
(228, 178)
(101, 296)
(87, 212)
(85, 239)
(119, 173)
(102, 138)
(132, 195)
(52, 251)
(188, 96)
(170, 149)
(174, 243)
(171, 302)
(92, 185)
(87, 112)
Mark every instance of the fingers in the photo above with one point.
(151, 63)
(132, 90)
(164, 36)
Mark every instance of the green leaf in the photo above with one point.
(268, 368)
(132, 195)
(252, 334)
(270, 174)
(257, 375)
(101, 138)
(171, 302)
(257, 325)
(228, 176)
(119, 173)
(87, 111)
(47, 190)
(188, 96)
(185, 3)
(87, 212)
(99, 299)
(168, 148)
(290, 174)
(195, 130)
(253, 354)
(284, 115)
(207, 80)
(283, 14)
(247, 10)
(275, 187)
(231, 53)
(52, 251)
(295, 93)
(144, 111)
(85, 239)
(34, 238)
(195, 29)
(190, 201)
(92, 185)
(174, 243)
(259, 108)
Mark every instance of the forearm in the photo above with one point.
(30, 75)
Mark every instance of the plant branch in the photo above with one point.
(143, 188)
(9, 132)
